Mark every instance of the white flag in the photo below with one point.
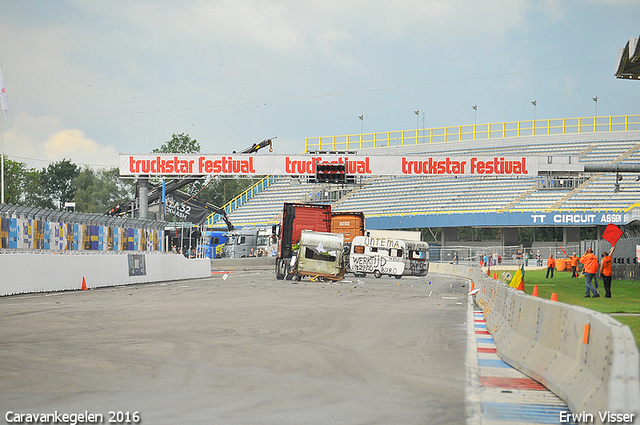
(3, 96)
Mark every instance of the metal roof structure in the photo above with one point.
(629, 60)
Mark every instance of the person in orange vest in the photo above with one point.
(590, 269)
(606, 272)
(574, 265)
(551, 264)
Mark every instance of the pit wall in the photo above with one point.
(25, 272)
(546, 341)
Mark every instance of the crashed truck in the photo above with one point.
(296, 218)
(319, 255)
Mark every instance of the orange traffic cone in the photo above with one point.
(495, 275)
(473, 286)
(489, 271)
(535, 291)
(554, 297)
(84, 284)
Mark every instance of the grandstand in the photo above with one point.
(395, 202)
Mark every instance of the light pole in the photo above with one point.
(361, 123)
(534, 103)
(417, 112)
(475, 114)
(533, 123)
(595, 114)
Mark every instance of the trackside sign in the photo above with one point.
(297, 165)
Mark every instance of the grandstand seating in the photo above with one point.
(433, 194)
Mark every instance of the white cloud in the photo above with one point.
(28, 142)
(73, 144)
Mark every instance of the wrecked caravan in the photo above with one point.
(320, 255)
(394, 257)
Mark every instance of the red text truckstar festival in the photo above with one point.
(296, 165)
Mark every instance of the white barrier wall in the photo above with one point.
(546, 341)
(40, 272)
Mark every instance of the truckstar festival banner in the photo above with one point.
(300, 165)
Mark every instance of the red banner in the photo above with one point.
(300, 165)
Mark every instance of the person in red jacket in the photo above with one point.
(551, 264)
(606, 272)
(590, 269)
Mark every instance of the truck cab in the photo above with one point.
(241, 243)
(295, 219)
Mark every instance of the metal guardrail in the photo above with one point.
(459, 133)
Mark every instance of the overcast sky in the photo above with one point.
(87, 80)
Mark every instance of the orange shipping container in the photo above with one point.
(350, 224)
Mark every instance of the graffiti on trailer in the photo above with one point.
(368, 264)
(389, 270)
(418, 267)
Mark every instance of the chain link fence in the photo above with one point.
(500, 255)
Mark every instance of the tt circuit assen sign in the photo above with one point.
(299, 165)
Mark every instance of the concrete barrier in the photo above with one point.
(24, 272)
(594, 369)
(248, 263)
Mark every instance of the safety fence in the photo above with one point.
(458, 133)
(500, 254)
(29, 229)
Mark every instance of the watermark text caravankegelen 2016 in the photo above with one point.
(86, 417)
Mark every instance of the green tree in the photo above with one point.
(33, 193)
(57, 182)
(14, 175)
(179, 143)
(98, 191)
(218, 191)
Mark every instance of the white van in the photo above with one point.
(393, 257)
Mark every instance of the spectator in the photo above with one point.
(551, 265)
(606, 272)
(590, 263)
(538, 258)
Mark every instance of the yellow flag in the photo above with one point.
(517, 278)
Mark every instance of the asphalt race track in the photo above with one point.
(241, 349)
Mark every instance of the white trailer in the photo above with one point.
(389, 256)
